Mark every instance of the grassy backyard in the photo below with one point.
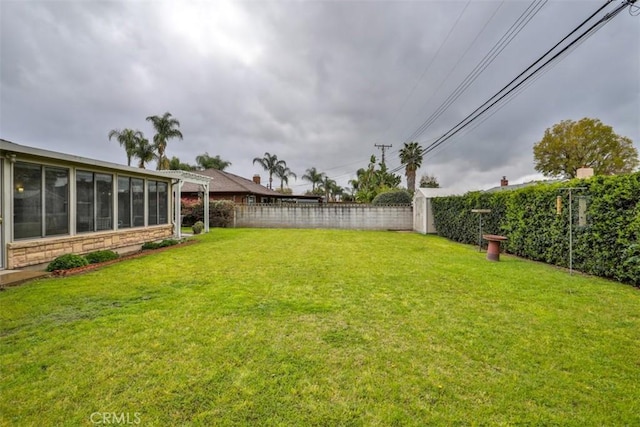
(317, 327)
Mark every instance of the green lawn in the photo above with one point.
(317, 327)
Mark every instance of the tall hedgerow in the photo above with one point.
(608, 245)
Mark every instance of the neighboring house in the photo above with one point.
(505, 186)
(227, 186)
(54, 203)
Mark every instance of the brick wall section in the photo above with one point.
(351, 217)
(33, 252)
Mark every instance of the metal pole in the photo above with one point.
(570, 189)
(570, 236)
(480, 235)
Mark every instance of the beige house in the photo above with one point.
(54, 203)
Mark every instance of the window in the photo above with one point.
(94, 201)
(85, 201)
(158, 202)
(56, 201)
(153, 202)
(104, 202)
(40, 197)
(163, 203)
(124, 202)
(130, 202)
(27, 201)
(137, 197)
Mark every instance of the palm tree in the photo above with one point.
(331, 189)
(176, 164)
(270, 163)
(127, 138)
(144, 151)
(166, 127)
(205, 161)
(314, 177)
(283, 172)
(411, 156)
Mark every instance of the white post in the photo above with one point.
(206, 207)
(178, 211)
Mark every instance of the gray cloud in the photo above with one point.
(317, 83)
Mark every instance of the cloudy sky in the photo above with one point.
(316, 82)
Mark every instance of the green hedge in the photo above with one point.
(393, 197)
(607, 246)
(455, 220)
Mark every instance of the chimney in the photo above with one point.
(584, 172)
(504, 181)
(256, 179)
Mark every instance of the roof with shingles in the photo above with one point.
(226, 182)
(524, 184)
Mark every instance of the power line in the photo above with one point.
(515, 29)
(510, 87)
(517, 92)
(428, 66)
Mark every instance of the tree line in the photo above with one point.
(564, 148)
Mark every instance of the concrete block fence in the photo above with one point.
(341, 216)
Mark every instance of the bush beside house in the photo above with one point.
(220, 212)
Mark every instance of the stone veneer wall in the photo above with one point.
(33, 252)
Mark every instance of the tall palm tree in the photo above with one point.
(144, 151)
(411, 157)
(128, 139)
(166, 127)
(270, 163)
(314, 177)
(283, 172)
(205, 161)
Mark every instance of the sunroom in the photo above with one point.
(55, 203)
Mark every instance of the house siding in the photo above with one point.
(34, 252)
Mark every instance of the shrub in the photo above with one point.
(67, 261)
(162, 244)
(101, 256)
(150, 245)
(168, 242)
(220, 213)
(394, 197)
(197, 227)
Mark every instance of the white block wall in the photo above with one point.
(352, 217)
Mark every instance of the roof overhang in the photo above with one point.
(186, 176)
(18, 152)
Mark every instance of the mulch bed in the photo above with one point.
(138, 254)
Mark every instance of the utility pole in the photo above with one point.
(383, 147)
